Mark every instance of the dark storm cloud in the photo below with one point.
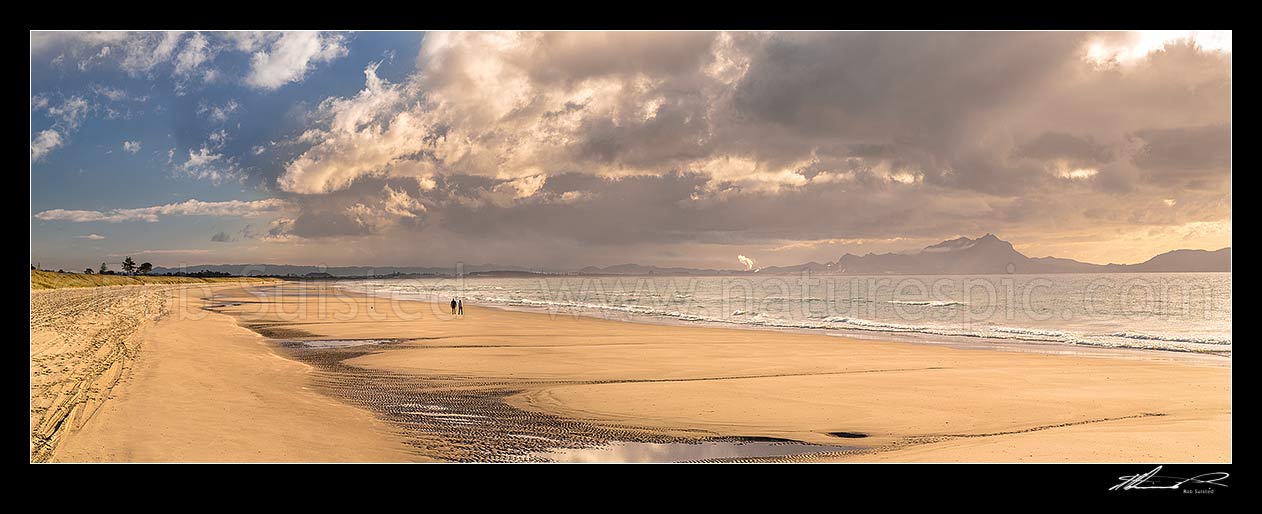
(1186, 151)
(1057, 145)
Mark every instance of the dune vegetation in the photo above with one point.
(53, 280)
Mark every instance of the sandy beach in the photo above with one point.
(273, 373)
(144, 374)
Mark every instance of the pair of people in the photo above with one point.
(457, 305)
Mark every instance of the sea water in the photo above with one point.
(1188, 312)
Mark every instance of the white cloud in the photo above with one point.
(146, 50)
(131, 146)
(196, 52)
(289, 58)
(207, 164)
(399, 203)
(113, 94)
(524, 187)
(218, 113)
(93, 237)
(38, 102)
(249, 41)
(1128, 48)
(152, 214)
(70, 113)
(355, 142)
(45, 142)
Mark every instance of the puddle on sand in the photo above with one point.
(682, 452)
(338, 343)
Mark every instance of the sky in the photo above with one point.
(558, 150)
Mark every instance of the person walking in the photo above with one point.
(460, 306)
(453, 305)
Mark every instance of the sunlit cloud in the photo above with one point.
(235, 208)
(1130, 47)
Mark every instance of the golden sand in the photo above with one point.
(500, 385)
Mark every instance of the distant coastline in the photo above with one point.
(987, 255)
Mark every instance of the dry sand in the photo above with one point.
(497, 385)
(194, 387)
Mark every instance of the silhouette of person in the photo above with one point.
(453, 305)
(460, 306)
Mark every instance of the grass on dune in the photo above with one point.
(54, 280)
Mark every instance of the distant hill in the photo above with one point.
(1185, 261)
(989, 254)
(249, 270)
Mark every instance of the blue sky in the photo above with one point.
(559, 150)
(171, 115)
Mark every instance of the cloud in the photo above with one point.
(70, 113)
(230, 208)
(172, 251)
(206, 163)
(196, 52)
(131, 146)
(290, 57)
(146, 50)
(399, 203)
(222, 237)
(111, 94)
(93, 237)
(277, 58)
(576, 147)
(218, 113)
(45, 142)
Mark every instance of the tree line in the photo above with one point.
(129, 268)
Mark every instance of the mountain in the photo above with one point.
(1186, 261)
(990, 255)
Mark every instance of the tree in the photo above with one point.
(104, 268)
(87, 271)
(129, 266)
(145, 268)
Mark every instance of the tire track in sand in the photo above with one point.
(83, 341)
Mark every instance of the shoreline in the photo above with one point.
(960, 341)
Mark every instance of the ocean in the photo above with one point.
(1187, 312)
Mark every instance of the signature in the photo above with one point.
(1151, 480)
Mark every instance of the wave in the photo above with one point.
(842, 323)
(926, 303)
(1176, 339)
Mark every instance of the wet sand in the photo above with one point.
(499, 385)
